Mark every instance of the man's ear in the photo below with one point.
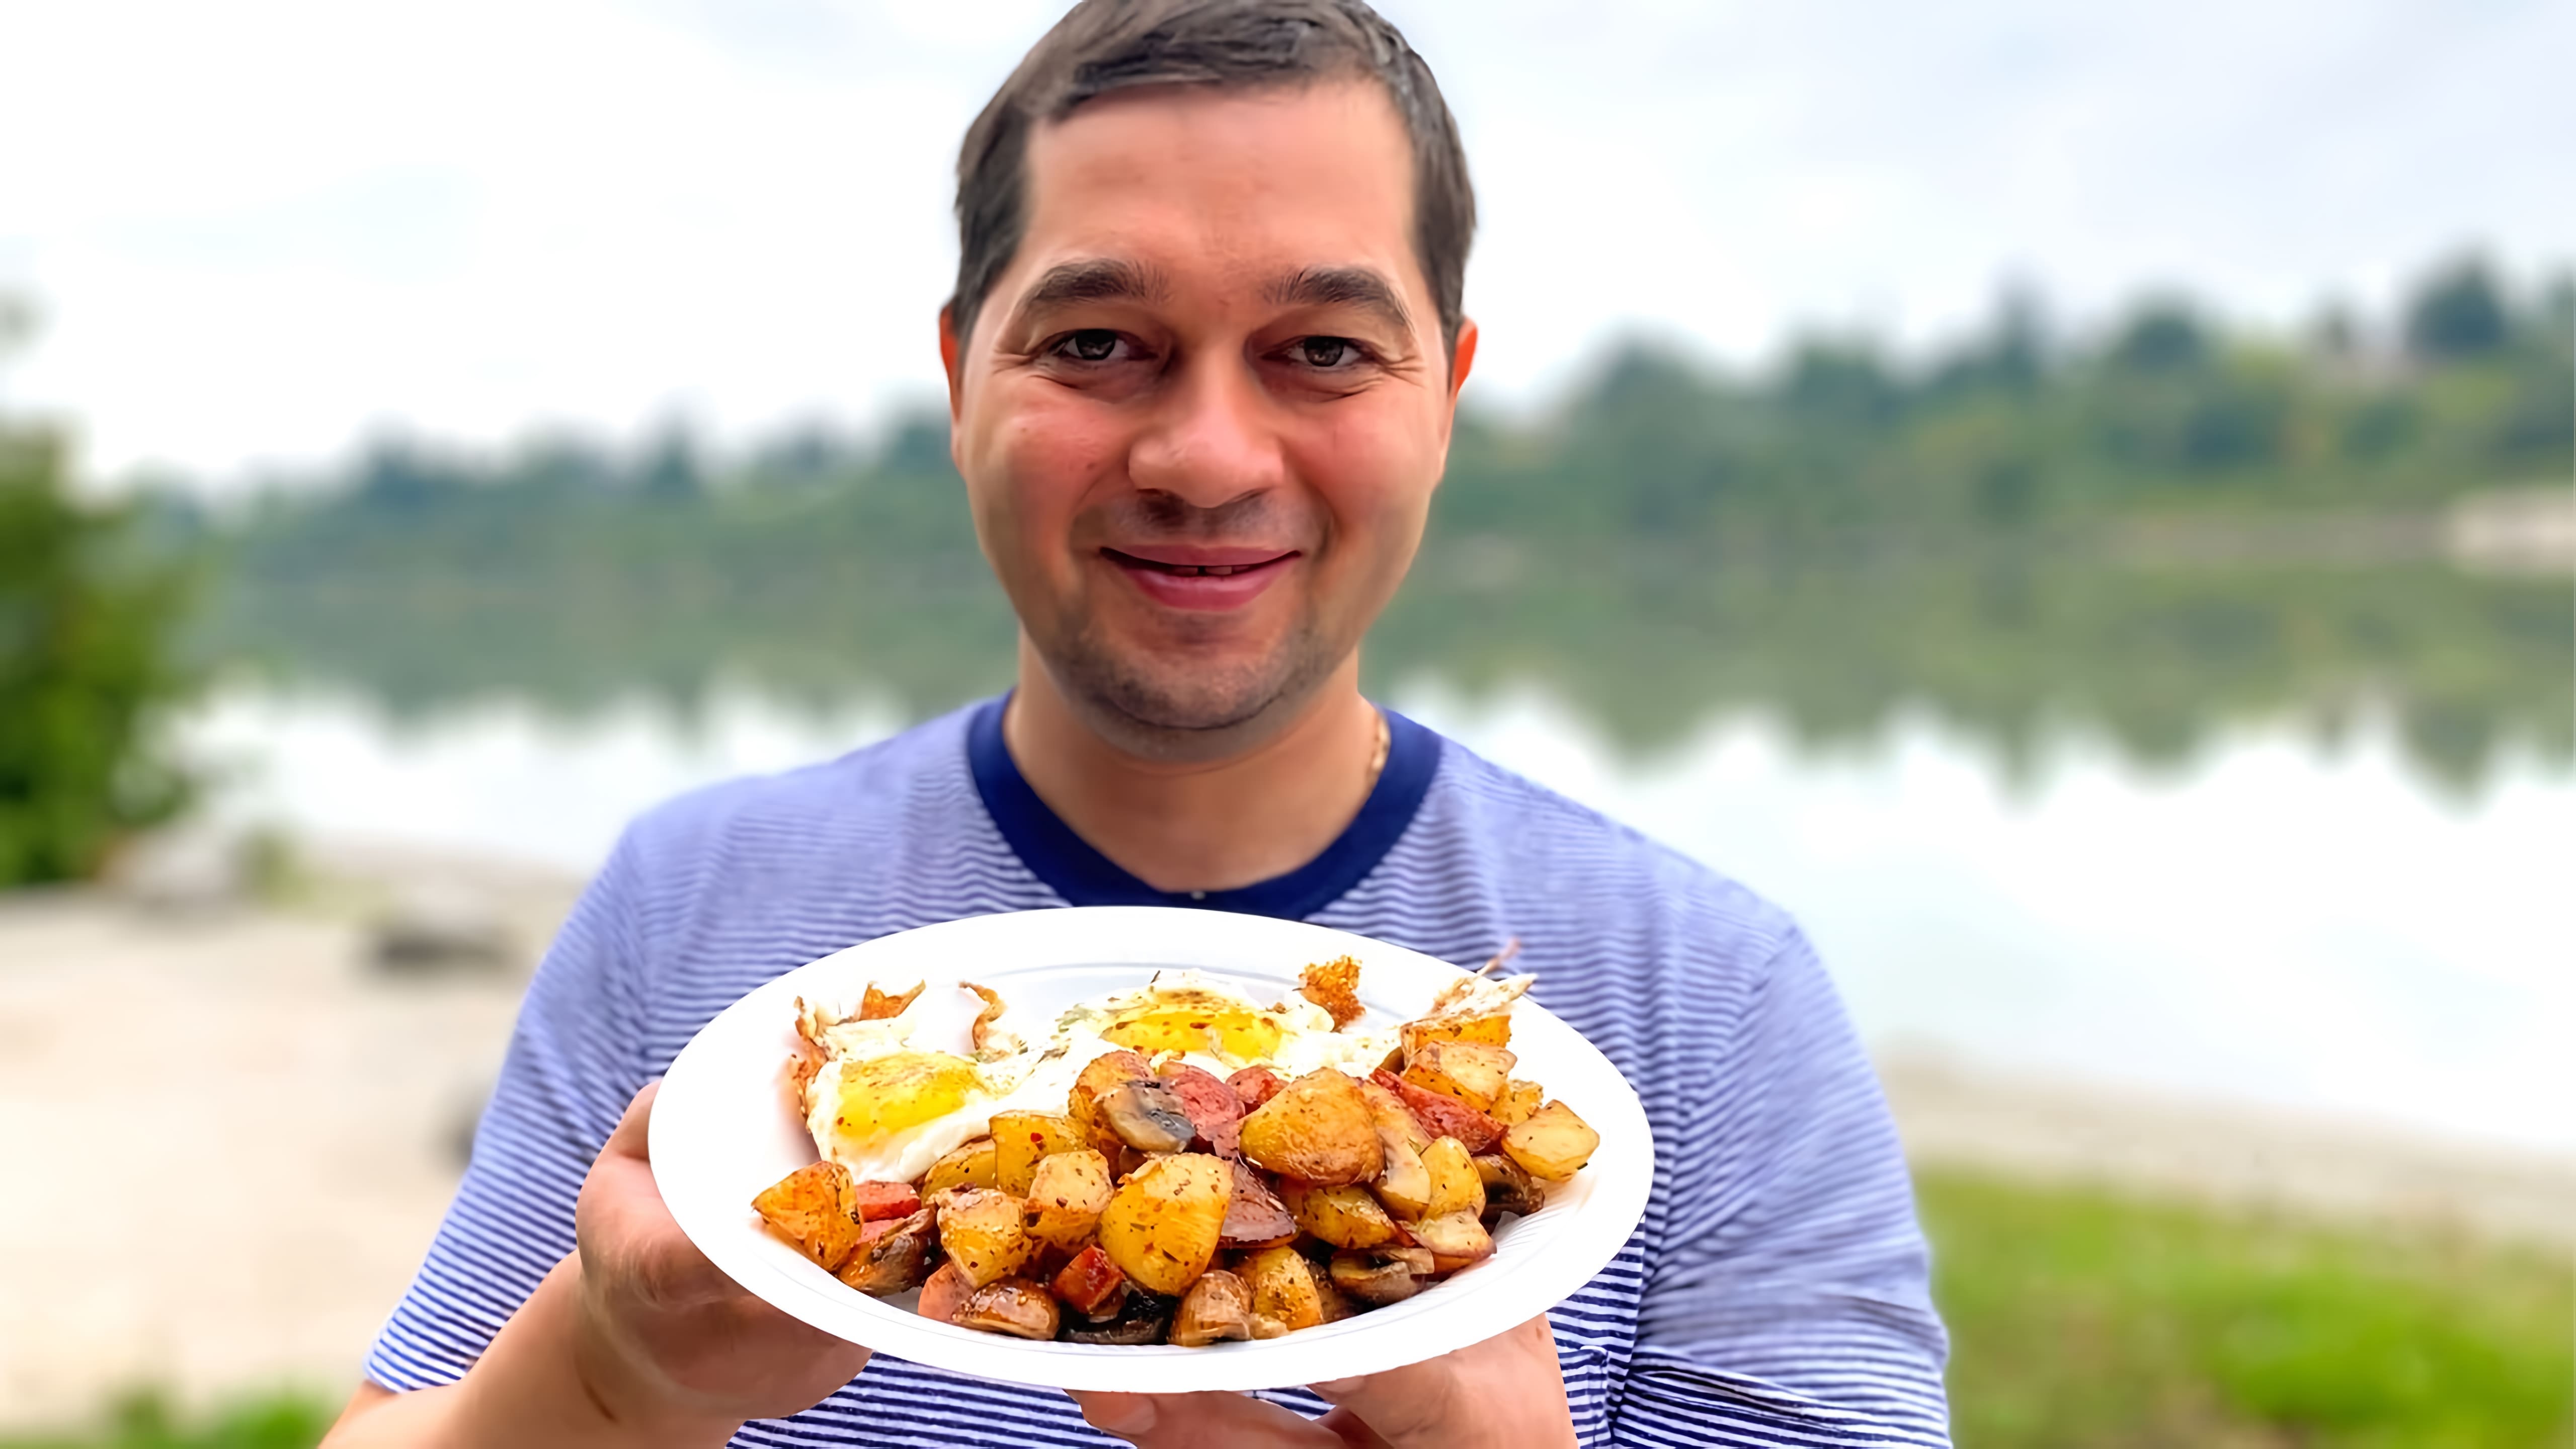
(1462, 358)
(952, 352)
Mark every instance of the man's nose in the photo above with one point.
(1213, 440)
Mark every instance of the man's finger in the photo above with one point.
(1411, 1405)
(1172, 1421)
(632, 1137)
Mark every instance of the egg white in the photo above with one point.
(1039, 1078)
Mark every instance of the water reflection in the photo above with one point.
(2157, 656)
(2279, 920)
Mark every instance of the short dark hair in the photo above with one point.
(1102, 46)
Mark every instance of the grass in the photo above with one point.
(2087, 1320)
(2082, 1318)
(145, 1422)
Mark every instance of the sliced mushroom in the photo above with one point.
(1508, 1187)
(1142, 1318)
(1381, 1275)
(1010, 1305)
(1148, 1116)
(896, 1259)
(1455, 1240)
(1218, 1306)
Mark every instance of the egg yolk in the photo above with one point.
(899, 1091)
(1228, 1031)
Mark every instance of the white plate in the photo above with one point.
(722, 1130)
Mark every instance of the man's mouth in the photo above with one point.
(1201, 578)
(1195, 563)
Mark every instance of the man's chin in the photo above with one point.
(1186, 708)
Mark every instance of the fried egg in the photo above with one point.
(886, 1107)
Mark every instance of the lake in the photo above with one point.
(2286, 906)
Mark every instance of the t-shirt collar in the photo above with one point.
(1084, 877)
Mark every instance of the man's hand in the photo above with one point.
(636, 1339)
(1504, 1393)
(663, 1334)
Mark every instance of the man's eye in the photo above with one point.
(1092, 344)
(1328, 352)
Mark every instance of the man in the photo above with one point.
(1203, 358)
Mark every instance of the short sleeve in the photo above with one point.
(1790, 1303)
(572, 1068)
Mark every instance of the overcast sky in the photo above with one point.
(264, 230)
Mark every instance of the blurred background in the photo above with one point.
(2076, 502)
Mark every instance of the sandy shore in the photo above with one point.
(233, 1137)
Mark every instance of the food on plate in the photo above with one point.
(1553, 1143)
(1174, 1164)
(981, 1232)
(1317, 1129)
(815, 1208)
(1508, 1187)
(1218, 1306)
(1470, 1072)
(895, 1259)
(1334, 986)
(1162, 1224)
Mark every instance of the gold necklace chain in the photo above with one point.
(1377, 756)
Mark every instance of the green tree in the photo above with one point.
(87, 623)
(2460, 312)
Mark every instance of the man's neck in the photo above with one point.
(1204, 825)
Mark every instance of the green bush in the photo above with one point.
(87, 620)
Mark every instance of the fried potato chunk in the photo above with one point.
(1021, 1140)
(1484, 1028)
(1161, 1225)
(1283, 1287)
(1517, 1102)
(984, 1236)
(971, 1164)
(1318, 1129)
(816, 1208)
(1346, 1217)
(1066, 1195)
(1456, 1186)
(1553, 1144)
(1334, 985)
(1466, 1071)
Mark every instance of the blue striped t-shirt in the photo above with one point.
(1775, 1293)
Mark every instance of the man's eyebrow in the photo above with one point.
(1343, 287)
(1094, 279)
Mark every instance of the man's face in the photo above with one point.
(1202, 414)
